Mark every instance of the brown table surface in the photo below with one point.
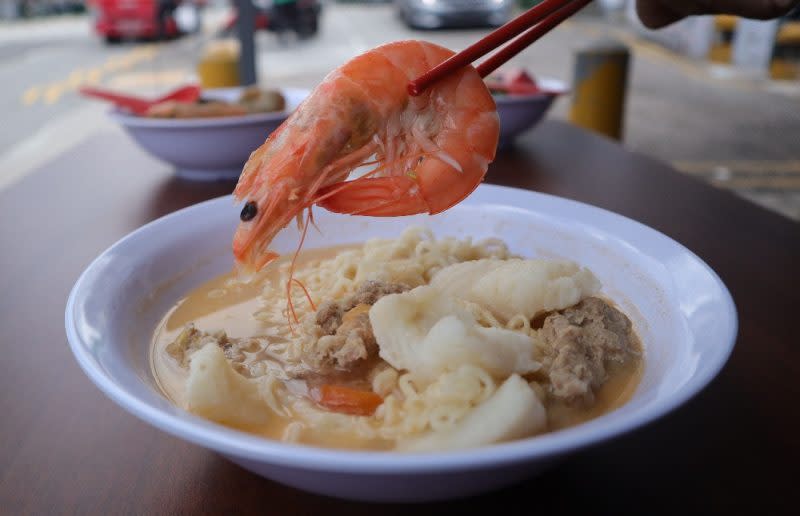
(65, 448)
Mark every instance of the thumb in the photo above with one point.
(655, 14)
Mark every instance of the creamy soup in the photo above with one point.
(411, 344)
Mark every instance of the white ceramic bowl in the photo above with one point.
(518, 113)
(682, 311)
(207, 148)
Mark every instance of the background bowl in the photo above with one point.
(518, 113)
(679, 307)
(207, 148)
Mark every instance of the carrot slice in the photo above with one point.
(348, 401)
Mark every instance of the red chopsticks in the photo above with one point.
(535, 23)
(139, 106)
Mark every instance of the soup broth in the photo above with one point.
(268, 348)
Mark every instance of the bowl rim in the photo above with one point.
(258, 449)
(134, 121)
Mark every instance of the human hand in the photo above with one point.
(659, 13)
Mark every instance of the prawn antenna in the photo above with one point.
(292, 313)
(313, 222)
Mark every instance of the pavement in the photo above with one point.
(734, 133)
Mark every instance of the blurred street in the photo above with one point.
(738, 134)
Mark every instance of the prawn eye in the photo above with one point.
(248, 212)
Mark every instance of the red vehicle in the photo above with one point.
(121, 19)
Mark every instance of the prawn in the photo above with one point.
(429, 152)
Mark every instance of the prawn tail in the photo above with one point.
(390, 196)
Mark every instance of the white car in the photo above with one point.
(433, 14)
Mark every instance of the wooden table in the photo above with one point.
(65, 448)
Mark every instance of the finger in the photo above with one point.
(659, 13)
(757, 9)
(654, 14)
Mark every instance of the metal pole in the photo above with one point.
(598, 97)
(245, 28)
(753, 46)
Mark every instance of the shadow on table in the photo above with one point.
(175, 193)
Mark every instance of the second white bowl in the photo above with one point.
(207, 148)
(518, 113)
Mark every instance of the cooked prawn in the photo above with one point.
(429, 152)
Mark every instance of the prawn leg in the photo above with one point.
(431, 186)
(391, 196)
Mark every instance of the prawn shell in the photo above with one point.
(429, 151)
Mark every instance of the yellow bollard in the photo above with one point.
(219, 65)
(600, 80)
